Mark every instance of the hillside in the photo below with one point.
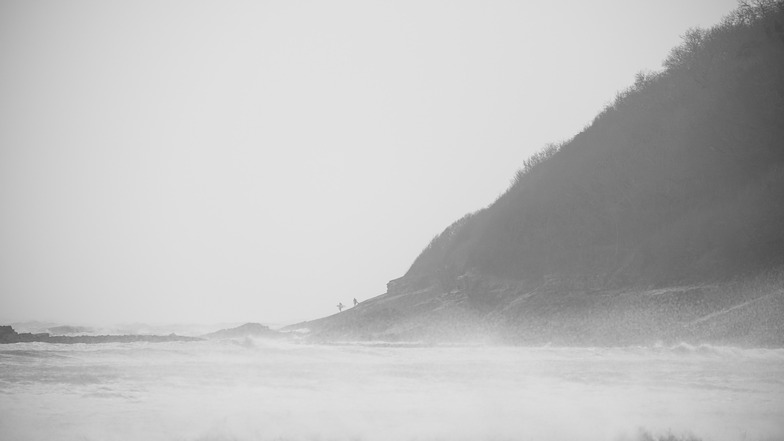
(662, 220)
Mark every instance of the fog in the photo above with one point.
(202, 162)
(229, 162)
(256, 390)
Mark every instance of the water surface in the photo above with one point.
(255, 390)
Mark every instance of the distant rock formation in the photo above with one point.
(246, 330)
(9, 335)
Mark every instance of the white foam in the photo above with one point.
(272, 390)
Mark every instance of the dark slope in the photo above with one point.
(682, 178)
(679, 183)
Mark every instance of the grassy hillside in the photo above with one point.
(661, 222)
(681, 179)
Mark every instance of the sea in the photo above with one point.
(246, 389)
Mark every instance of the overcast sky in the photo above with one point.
(228, 161)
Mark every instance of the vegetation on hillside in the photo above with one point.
(680, 178)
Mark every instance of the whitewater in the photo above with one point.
(270, 390)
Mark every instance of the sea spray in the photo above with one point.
(272, 390)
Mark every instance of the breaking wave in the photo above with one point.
(260, 390)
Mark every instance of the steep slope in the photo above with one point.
(679, 184)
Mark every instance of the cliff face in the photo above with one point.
(662, 220)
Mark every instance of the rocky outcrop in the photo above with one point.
(9, 335)
(255, 330)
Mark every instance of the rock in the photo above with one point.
(9, 335)
(246, 330)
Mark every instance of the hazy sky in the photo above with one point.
(192, 161)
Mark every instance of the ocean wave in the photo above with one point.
(723, 351)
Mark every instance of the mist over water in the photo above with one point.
(257, 390)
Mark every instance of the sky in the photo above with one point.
(234, 161)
